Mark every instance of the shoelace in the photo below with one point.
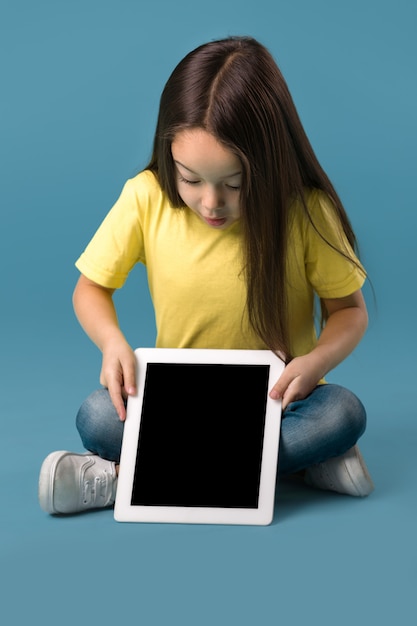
(98, 491)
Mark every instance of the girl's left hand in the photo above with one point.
(345, 326)
(298, 380)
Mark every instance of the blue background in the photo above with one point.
(80, 85)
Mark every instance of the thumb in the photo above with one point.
(278, 390)
(129, 378)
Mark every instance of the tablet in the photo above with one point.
(200, 441)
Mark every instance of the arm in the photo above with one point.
(345, 326)
(94, 307)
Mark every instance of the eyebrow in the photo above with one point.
(195, 173)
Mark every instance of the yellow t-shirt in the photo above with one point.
(195, 272)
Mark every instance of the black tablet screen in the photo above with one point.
(201, 435)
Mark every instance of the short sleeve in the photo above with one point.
(332, 267)
(117, 244)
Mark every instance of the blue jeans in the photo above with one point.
(325, 424)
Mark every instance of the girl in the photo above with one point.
(241, 231)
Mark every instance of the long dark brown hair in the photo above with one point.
(233, 89)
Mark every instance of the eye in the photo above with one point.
(186, 181)
(233, 187)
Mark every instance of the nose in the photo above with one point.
(212, 199)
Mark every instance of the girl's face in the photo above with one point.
(208, 177)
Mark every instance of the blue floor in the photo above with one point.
(325, 559)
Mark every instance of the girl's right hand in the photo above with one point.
(118, 373)
(96, 313)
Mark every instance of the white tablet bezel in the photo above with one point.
(124, 511)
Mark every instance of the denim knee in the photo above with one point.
(99, 426)
(352, 412)
(325, 424)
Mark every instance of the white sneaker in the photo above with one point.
(346, 474)
(71, 483)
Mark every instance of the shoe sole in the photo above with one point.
(363, 484)
(360, 484)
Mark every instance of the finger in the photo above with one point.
(287, 399)
(289, 393)
(129, 378)
(278, 390)
(115, 391)
(297, 390)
